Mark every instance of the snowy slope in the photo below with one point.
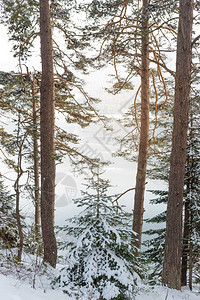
(163, 293)
(12, 289)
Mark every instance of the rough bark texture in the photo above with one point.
(144, 131)
(47, 137)
(36, 163)
(173, 245)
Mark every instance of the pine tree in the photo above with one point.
(190, 240)
(160, 171)
(47, 137)
(100, 260)
(172, 256)
(191, 233)
(22, 20)
(128, 37)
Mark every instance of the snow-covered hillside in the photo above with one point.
(12, 289)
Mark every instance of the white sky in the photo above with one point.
(7, 62)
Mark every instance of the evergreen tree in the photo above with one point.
(190, 241)
(8, 224)
(173, 243)
(191, 233)
(47, 136)
(154, 246)
(160, 170)
(130, 38)
(100, 259)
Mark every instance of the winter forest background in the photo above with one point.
(99, 148)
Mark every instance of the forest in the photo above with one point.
(101, 91)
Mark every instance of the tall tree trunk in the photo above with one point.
(47, 124)
(173, 244)
(36, 163)
(144, 131)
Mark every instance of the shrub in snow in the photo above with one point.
(8, 225)
(33, 241)
(154, 246)
(100, 259)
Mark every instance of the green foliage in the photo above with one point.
(33, 241)
(100, 259)
(8, 226)
(154, 246)
(99, 9)
(22, 20)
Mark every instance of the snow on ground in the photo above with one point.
(12, 289)
(163, 293)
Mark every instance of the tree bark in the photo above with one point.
(144, 132)
(36, 163)
(47, 121)
(173, 244)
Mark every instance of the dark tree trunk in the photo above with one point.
(47, 121)
(144, 131)
(173, 244)
(36, 163)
